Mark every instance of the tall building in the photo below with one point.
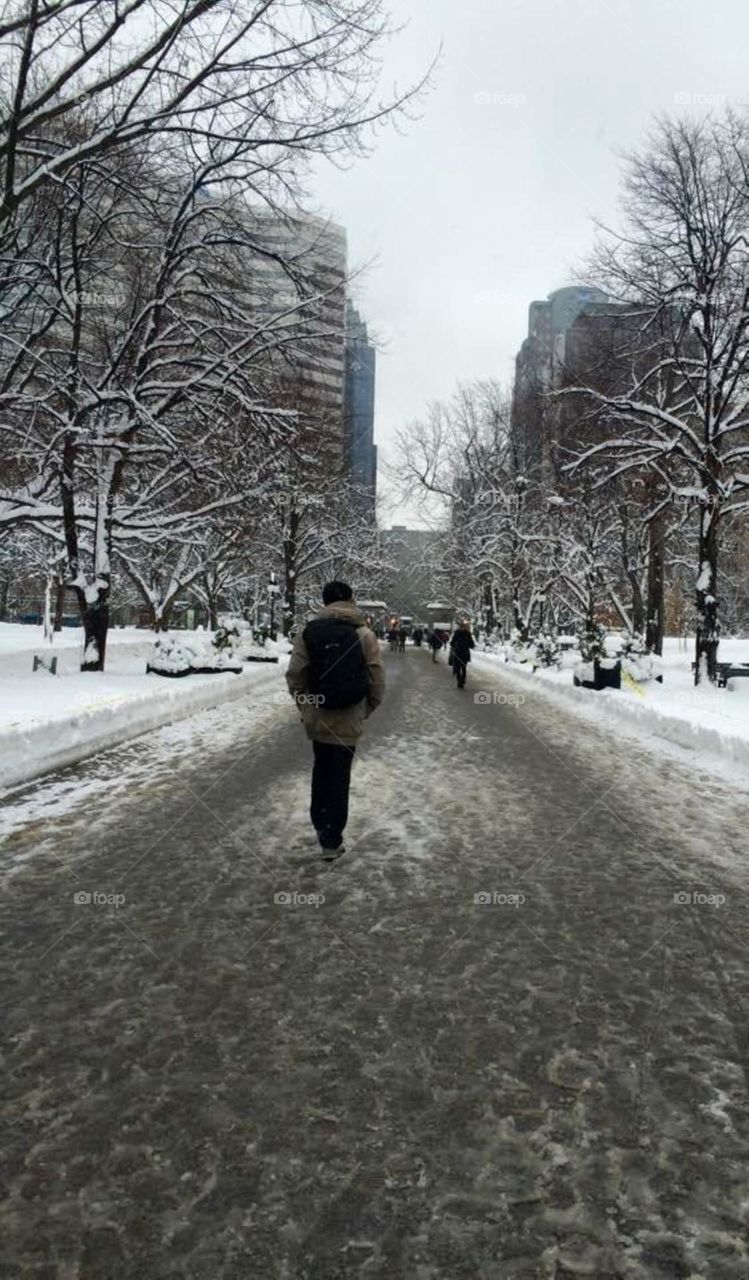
(303, 260)
(359, 404)
(543, 365)
(581, 341)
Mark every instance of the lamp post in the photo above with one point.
(273, 592)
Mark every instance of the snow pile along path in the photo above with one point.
(53, 721)
(712, 723)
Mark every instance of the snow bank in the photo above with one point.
(30, 750)
(52, 721)
(712, 723)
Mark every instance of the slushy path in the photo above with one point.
(258, 1066)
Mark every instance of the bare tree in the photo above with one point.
(144, 382)
(681, 263)
(498, 540)
(137, 144)
(282, 79)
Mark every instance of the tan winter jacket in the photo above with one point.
(345, 724)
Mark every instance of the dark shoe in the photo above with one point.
(330, 855)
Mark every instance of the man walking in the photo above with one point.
(460, 651)
(337, 677)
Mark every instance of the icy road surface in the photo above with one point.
(376, 1073)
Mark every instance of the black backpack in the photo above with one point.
(338, 670)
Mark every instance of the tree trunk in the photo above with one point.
(95, 626)
(656, 606)
(590, 646)
(708, 626)
(47, 609)
(289, 612)
(521, 625)
(290, 549)
(59, 606)
(490, 617)
(638, 604)
(163, 621)
(630, 569)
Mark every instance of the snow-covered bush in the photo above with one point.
(632, 645)
(173, 655)
(647, 667)
(256, 646)
(548, 653)
(520, 649)
(592, 643)
(226, 636)
(637, 661)
(186, 653)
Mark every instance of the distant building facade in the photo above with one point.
(303, 259)
(564, 339)
(359, 404)
(580, 338)
(414, 555)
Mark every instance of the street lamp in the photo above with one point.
(273, 591)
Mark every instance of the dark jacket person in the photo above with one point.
(461, 643)
(337, 676)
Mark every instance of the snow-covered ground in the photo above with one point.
(712, 722)
(51, 721)
(532, 1090)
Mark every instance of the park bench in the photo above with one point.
(729, 671)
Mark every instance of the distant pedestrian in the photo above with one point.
(337, 676)
(418, 636)
(402, 637)
(434, 642)
(461, 644)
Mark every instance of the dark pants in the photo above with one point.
(331, 774)
(459, 671)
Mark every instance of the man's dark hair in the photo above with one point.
(334, 591)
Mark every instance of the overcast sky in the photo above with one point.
(487, 200)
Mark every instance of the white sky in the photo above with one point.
(487, 201)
